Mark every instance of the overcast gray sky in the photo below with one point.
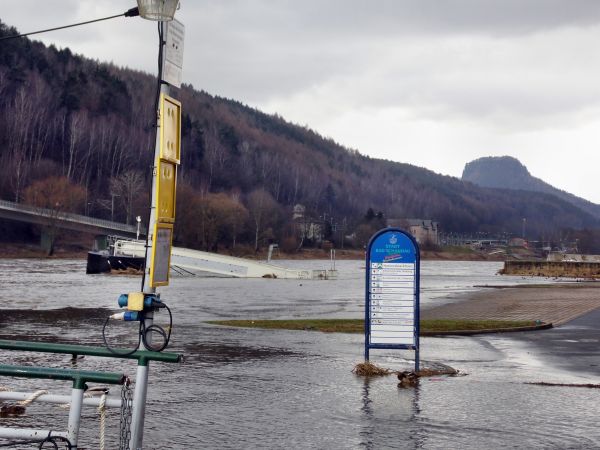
(434, 83)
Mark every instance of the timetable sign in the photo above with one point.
(392, 290)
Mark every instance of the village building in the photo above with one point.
(423, 230)
(307, 228)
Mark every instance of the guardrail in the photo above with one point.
(69, 217)
(79, 379)
(142, 356)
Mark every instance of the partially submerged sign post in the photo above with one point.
(392, 292)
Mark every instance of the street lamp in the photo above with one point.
(159, 10)
(138, 219)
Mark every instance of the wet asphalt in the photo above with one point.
(574, 346)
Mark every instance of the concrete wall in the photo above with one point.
(566, 269)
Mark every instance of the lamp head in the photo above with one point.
(163, 10)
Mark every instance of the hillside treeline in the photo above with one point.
(92, 124)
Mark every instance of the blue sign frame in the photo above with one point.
(391, 246)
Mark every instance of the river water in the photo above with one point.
(249, 388)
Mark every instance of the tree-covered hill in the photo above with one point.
(63, 115)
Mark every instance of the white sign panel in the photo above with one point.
(392, 303)
(173, 56)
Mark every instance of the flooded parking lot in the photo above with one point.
(250, 388)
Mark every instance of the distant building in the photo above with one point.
(423, 230)
(299, 211)
(306, 227)
(518, 242)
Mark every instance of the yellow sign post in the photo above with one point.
(170, 129)
(166, 189)
(167, 186)
(161, 254)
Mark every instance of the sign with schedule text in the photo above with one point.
(392, 292)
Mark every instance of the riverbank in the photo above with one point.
(78, 249)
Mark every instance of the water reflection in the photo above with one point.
(247, 388)
(368, 428)
(382, 421)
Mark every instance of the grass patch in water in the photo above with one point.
(368, 369)
(357, 325)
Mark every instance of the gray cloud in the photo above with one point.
(455, 76)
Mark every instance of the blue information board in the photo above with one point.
(392, 292)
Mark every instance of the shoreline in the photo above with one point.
(31, 251)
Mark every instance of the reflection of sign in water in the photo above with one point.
(161, 254)
(392, 292)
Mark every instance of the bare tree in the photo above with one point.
(263, 209)
(127, 187)
(215, 155)
(76, 129)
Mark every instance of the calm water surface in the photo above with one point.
(244, 388)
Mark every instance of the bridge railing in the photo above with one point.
(70, 217)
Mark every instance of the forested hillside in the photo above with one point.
(90, 124)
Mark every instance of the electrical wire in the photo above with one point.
(115, 352)
(143, 333)
(156, 329)
(54, 440)
(129, 13)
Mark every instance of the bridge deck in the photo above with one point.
(76, 222)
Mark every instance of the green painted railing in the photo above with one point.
(142, 356)
(78, 377)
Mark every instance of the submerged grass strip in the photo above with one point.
(357, 325)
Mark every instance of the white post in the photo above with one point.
(139, 408)
(141, 380)
(75, 416)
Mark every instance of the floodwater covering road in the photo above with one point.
(251, 388)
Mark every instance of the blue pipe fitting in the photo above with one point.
(150, 300)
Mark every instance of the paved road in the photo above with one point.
(556, 304)
(574, 343)
(574, 346)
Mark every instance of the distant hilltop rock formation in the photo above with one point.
(506, 172)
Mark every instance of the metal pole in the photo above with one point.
(139, 407)
(141, 381)
(111, 402)
(75, 416)
(28, 433)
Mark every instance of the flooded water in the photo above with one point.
(248, 388)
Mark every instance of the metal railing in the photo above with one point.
(142, 356)
(69, 217)
(79, 379)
